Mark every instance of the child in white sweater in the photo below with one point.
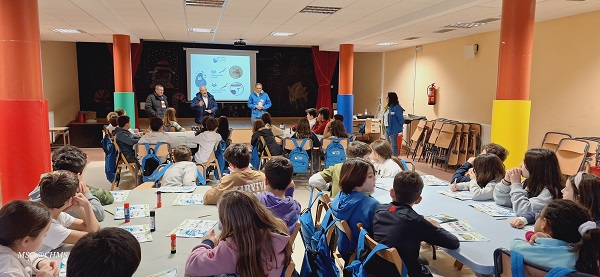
(23, 226)
(183, 172)
(386, 166)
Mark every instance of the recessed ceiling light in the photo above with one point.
(282, 34)
(411, 38)
(441, 31)
(205, 3)
(319, 9)
(68, 31)
(200, 30)
(465, 25)
(386, 43)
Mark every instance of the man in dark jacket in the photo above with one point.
(156, 103)
(204, 104)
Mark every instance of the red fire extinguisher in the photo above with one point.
(431, 94)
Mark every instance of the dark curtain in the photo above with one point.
(324, 63)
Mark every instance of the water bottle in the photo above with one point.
(282, 126)
(366, 112)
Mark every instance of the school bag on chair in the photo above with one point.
(357, 267)
(334, 153)
(110, 158)
(150, 163)
(318, 257)
(299, 157)
(255, 158)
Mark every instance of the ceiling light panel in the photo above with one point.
(320, 9)
(205, 3)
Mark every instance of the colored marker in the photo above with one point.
(173, 243)
(152, 221)
(127, 214)
(158, 199)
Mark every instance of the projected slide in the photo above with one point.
(228, 77)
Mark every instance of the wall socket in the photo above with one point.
(418, 48)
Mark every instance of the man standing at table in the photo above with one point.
(156, 103)
(259, 102)
(204, 104)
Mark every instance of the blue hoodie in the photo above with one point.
(287, 209)
(255, 99)
(356, 207)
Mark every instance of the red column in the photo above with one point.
(122, 63)
(511, 110)
(345, 104)
(24, 154)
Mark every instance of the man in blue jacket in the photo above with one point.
(258, 102)
(204, 104)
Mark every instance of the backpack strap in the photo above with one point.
(312, 201)
(304, 140)
(404, 165)
(158, 144)
(147, 147)
(516, 264)
(559, 272)
(161, 172)
(201, 179)
(295, 142)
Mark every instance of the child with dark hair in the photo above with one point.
(120, 112)
(266, 118)
(462, 173)
(386, 165)
(329, 178)
(311, 116)
(280, 191)
(352, 203)
(238, 157)
(58, 192)
(112, 121)
(259, 129)
(125, 139)
(23, 226)
(303, 131)
(120, 251)
(253, 242)
(488, 170)
(71, 158)
(563, 228)
(206, 140)
(183, 172)
(223, 129)
(398, 225)
(543, 182)
(155, 136)
(339, 131)
(322, 120)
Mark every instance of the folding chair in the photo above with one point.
(455, 149)
(416, 138)
(265, 154)
(474, 140)
(288, 144)
(593, 151)
(430, 145)
(464, 143)
(149, 185)
(212, 161)
(323, 204)
(122, 162)
(295, 232)
(391, 254)
(552, 139)
(343, 227)
(289, 270)
(422, 147)
(326, 142)
(164, 150)
(443, 145)
(502, 266)
(571, 154)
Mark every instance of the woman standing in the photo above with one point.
(393, 120)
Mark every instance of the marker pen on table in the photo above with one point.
(173, 243)
(126, 212)
(158, 199)
(152, 221)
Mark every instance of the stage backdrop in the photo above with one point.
(287, 74)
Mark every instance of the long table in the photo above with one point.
(476, 255)
(156, 255)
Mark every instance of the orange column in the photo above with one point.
(25, 154)
(345, 103)
(124, 96)
(511, 110)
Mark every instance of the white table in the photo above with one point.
(476, 255)
(156, 255)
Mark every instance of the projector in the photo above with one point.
(239, 42)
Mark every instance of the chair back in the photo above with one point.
(552, 139)
(391, 254)
(503, 266)
(445, 136)
(288, 144)
(323, 204)
(326, 142)
(571, 154)
(163, 150)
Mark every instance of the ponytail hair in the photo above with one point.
(589, 252)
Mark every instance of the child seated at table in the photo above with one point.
(170, 121)
(303, 131)
(153, 137)
(266, 118)
(111, 251)
(352, 203)
(259, 130)
(322, 120)
(398, 225)
(72, 159)
(329, 179)
(206, 141)
(125, 139)
(386, 165)
(23, 225)
(278, 197)
(253, 242)
(461, 175)
(564, 236)
(487, 171)
(58, 192)
(238, 157)
(111, 118)
(543, 182)
(328, 130)
(582, 188)
(183, 172)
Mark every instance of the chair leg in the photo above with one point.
(458, 265)
(218, 170)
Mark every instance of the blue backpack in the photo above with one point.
(357, 267)
(200, 179)
(219, 154)
(110, 158)
(255, 158)
(318, 257)
(150, 163)
(299, 157)
(307, 225)
(334, 153)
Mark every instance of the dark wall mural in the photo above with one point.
(287, 74)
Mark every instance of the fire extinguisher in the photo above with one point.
(431, 94)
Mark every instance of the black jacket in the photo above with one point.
(201, 111)
(398, 225)
(274, 147)
(154, 107)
